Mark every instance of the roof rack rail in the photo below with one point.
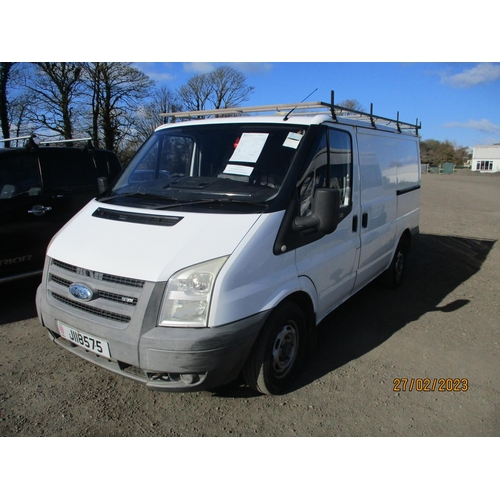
(20, 138)
(66, 141)
(287, 109)
(31, 138)
(389, 122)
(277, 108)
(30, 143)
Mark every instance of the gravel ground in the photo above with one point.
(443, 323)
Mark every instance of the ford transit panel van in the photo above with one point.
(227, 240)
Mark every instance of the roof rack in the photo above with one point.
(46, 143)
(288, 109)
(66, 141)
(30, 143)
(277, 108)
(21, 138)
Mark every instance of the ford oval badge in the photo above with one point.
(81, 291)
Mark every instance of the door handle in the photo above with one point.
(354, 223)
(39, 210)
(364, 220)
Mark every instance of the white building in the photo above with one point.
(486, 158)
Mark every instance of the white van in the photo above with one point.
(227, 240)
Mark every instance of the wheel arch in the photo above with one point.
(406, 240)
(303, 300)
(279, 350)
(393, 275)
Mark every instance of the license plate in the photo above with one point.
(84, 340)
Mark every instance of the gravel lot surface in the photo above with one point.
(443, 323)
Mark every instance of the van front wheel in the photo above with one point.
(278, 351)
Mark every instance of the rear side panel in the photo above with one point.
(390, 182)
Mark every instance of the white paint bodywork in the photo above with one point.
(254, 279)
(146, 252)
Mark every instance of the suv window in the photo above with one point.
(19, 174)
(67, 170)
(107, 164)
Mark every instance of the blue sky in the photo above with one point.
(387, 52)
(459, 102)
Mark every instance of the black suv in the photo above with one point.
(41, 188)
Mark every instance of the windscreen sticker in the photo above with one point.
(249, 147)
(293, 140)
(238, 170)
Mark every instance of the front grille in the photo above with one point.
(99, 276)
(115, 297)
(60, 281)
(92, 310)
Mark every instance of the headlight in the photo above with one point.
(187, 298)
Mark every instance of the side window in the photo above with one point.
(107, 165)
(316, 175)
(341, 164)
(329, 166)
(19, 174)
(62, 171)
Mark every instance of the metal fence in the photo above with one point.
(445, 169)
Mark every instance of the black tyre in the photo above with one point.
(277, 354)
(394, 275)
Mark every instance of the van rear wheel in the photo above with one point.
(277, 354)
(393, 276)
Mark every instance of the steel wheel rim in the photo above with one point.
(285, 350)
(399, 265)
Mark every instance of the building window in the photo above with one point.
(484, 165)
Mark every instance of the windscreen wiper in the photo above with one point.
(214, 201)
(141, 195)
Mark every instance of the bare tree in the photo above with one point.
(351, 104)
(56, 87)
(92, 82)
(195, 94)
(115, 91)
(18, 114)
(5, 72)
(163, 100)
(229, 87)
(223, 87)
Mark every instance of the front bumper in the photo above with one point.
(198, 368)
(164, 359)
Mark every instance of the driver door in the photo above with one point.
(330, 262)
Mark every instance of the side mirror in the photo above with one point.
(102, 184)
(325, 212)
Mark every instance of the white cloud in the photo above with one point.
(161, 77)
(198, 67)
(155, 71)
(482, 73)
(252, 67)
(484, 126)
(244, 67)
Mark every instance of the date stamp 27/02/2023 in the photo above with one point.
(431, 385)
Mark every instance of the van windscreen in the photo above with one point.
(209, 165)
